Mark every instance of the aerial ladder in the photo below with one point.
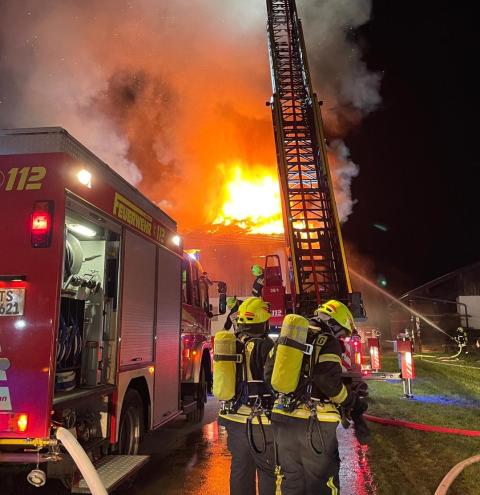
(318, 268)
(317, 264)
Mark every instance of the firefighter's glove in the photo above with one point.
(360, 406)
(346, 409)
(362, 432)
(345, 418)
(360, 389)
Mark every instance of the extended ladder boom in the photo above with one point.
(315, 246)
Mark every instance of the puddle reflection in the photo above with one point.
(199, 464)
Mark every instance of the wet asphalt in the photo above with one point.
(194, 460)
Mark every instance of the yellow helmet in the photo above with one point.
(231, 301)
(339, 313)
(253, 310)
(257, 270)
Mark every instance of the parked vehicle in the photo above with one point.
(104, 320)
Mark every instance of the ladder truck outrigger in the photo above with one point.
(316, 257)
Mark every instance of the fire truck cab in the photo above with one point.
(104, 321)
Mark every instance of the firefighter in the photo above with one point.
(232, 304)
(305, 421)
(258, 283)
(461, 338)
(245, 417)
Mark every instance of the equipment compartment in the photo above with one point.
(87, 330)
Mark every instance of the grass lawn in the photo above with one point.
(407, 461)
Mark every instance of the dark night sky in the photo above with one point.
(418, 152)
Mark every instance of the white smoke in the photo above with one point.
(58, 61)
(339, 74)
(343, 173)
(341, 79)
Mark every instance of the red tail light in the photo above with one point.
(41, 224)
(17, 422)
(22, 422)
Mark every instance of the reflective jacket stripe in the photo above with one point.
(332, 486)
(341, 396)
(301, 414)
(248, 353)
(325, 412)
(242, 415)
(329, 358)
(240, 418)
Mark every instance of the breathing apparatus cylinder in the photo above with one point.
(291, 347)
(224, 365)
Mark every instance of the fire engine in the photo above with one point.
(104, 320)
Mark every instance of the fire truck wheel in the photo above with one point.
(131, 423)
(197, 415)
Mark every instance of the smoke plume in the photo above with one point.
(166, 90)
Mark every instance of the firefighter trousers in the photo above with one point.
(304, 471)
(246, 463)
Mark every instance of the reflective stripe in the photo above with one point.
(325, 412)
(318, 343)
(324, 417)
(341, 396)
(332, 486)
(329, 358)
(278, 480)
(248, 354)
(242, 415)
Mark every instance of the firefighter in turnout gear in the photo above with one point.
(232, 304)
(306, 372)
(259, 282)
(245, 399)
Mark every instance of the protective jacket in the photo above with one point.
(258, 284)
(320, 382)
(232, 317)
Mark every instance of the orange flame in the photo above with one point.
(250, 199)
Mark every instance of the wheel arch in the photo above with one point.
(140, 385)
(140, 380)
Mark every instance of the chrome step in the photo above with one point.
(113, 471)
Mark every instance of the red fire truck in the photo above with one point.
(104, 320)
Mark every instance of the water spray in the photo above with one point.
(400, 303)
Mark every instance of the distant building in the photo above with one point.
(449, 301)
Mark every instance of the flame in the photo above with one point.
(250, 198)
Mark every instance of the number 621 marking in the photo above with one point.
(26, 178)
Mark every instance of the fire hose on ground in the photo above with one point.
(453, 473)
(421, 426)
(450, 477)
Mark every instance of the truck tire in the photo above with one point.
(131, 423)
(197, 415)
